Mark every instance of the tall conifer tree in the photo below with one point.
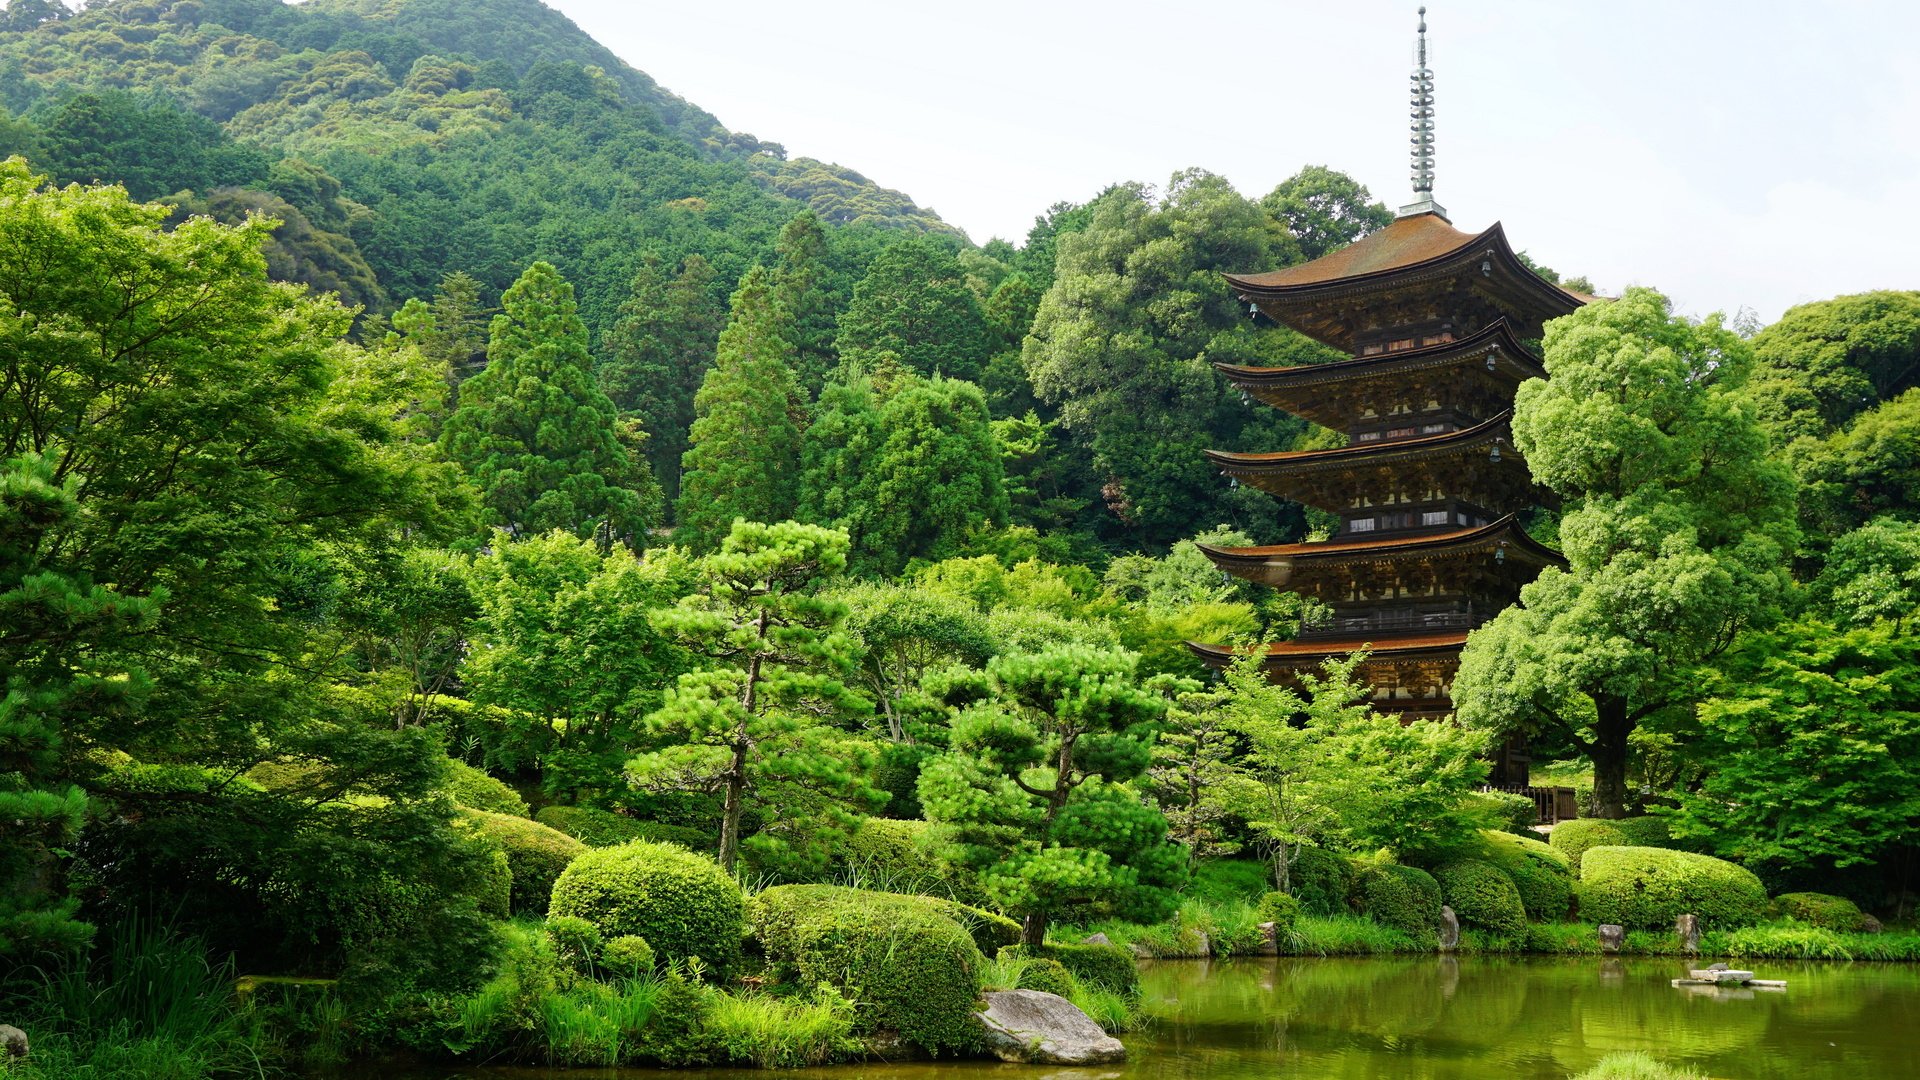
(542, 441)
(743, 456)
(659, 351)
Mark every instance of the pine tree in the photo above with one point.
(803, 280)
(542, 441)
(658, 352)
(744, 451)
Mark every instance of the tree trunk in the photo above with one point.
(1033, 931)
(730, 816)
(1609, 752)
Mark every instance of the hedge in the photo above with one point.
(1481, 895)
(682, 903)
(476, 790)
(1822, 910)
(603, 828)
(1543, 875)
(1649, 887)
(1322, 881)
(1400, 897)
(1574, 837)
(911, 968)
(536, 855)
(1103, 967)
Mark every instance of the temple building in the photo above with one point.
(1439, 325)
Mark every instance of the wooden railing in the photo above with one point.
(1550, 804)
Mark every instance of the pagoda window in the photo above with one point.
(1433, 429)
(1400, 344)
(1360, 524)
(1434, 517)
(1374, 349)
(1367, 436)
(1399, 432)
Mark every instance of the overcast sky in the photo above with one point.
(1754, 154)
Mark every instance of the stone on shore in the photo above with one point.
(1449, 928)
(1029, 1027)
(13, 1041)
(1687, 929)
(1269, 939)
(1095, 939)
(1612, 936)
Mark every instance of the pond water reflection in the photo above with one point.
(1445, 1018)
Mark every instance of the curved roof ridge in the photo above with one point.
(1405, 242)
(1360, 450)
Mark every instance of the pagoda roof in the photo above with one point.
(1491, 430)
(1410, 251)
(1497, 340)
(1276, 564)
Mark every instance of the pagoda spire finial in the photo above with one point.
(1422, 130)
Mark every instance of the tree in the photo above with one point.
(755, 722)
(1810, 740)
(1871, 573)
(1824, 363)
(147, 143)
(1676, 531)
(658, 352)
(1193, 758)
(914, 303)
(1121, 342)
(1325, 210)
(805, 283)
(906, 633)
(1868, 468)
(1036, 790)
(538, 436)
(748, 420)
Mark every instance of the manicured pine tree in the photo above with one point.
(539, 437)
(744, 451)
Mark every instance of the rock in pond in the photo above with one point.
(1034, 1028)
(1687, 929)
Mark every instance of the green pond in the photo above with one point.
(1441, 1018)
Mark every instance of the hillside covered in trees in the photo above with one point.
(454, 493)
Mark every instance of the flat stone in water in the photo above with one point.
(1034, 1028)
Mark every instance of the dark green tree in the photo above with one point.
(914, 303)
(1825, 363)
(656, 355)
(804, 281)
(1037, 791)
(149, 144)
(1325, 210)
(535, 432)
(748, 418)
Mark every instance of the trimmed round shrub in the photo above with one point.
(1573, 838)
(1402, 897)
(1822, 910)
(911, 968)
(1104, 967)
(1047, 976)
(897, 856)
(603, 828)
(1281, 910)
(476, 790)
(1543, 876)
(1322, 881)
(575, 941)
(1649, 887)
(535, 856)
(1482, 896)
(682, 903)
(628, 956)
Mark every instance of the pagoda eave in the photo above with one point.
(1488, 433)
(1282, 564)
(1295, 655)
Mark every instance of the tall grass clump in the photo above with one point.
(1635, 1065)
(784, 1033)
(1347, 935)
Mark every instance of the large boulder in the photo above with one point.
(1033, 1028)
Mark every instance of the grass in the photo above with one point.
(1347, 935)
(782, 1033)
(1637, 1066)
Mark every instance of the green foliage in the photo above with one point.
(1325, 210)
(1322, 881)
(1105, 967)
(1821, 910)
(1542, 874)
(1400, 897)
(1867, 469)
(1823, 364)
(1515, 812)
(576, 941)
(1482, 895)
(897, 856)
(1871, 573)
(655, 356)
(1650, 887)
(535, 854)
(627, 956)
(1811, 739)
(1635, 1065)
(539, 437)
(914, 306)
(1230, 880)
(753, 725)
(1033, 787)
(1573, 837)
(682, 903)
(1282, 910)
(911, 968)
(145, 142)
(1352, 935)
(748, 418)
(1046, 975)
(474, 789)
(1676, 530)
(604, 828)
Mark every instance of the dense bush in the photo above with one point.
(682, 903)
(1401, 897)
(898, 856)
(1103, 967)
(1229, 880)
(910, 967)
(603, 828)
(535, 853)
(576, 942)
(1482, 896)
(476, 790)
(1820, 909)
(1650, 887)
(1543, 875)
(493, 890)
(1515, 812)
(627, 956)
(1573, 838)
(1281, 910)
(1047, 976)
(990, 932)
(1322, 881)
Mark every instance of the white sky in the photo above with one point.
(1756, 154)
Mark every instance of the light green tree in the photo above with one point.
(1676, 531)
(1325, 210)
(744, 447)
(757, 721)
(537, 434)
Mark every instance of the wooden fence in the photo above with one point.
(1550, 804)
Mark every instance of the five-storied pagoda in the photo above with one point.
(1437, 323)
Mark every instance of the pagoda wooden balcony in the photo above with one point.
(1388, 623)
